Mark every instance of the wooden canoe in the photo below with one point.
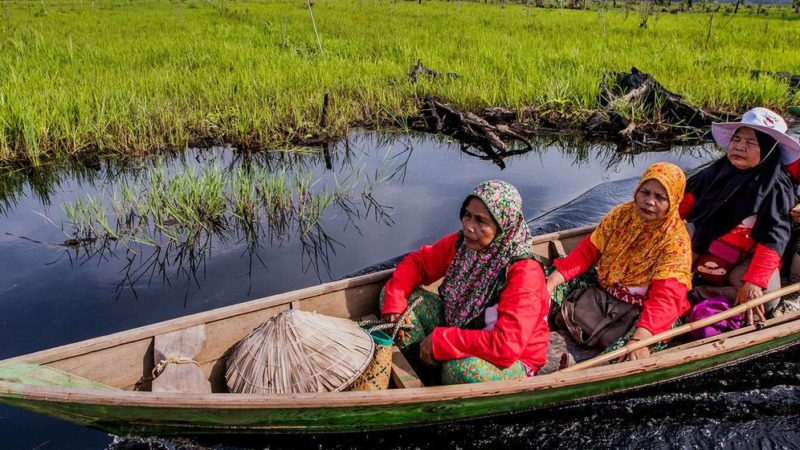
(98, 382)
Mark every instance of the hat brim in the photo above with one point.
(790, 147)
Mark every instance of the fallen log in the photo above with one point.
(662, 119)
(665, 114)
(620, 88)
(472, 130)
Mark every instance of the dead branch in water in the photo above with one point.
(658, 111)
(471, 129)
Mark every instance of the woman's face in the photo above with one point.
(478, 225)
(652, 201)
(743, 151)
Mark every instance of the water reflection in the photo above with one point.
(44, 182)
(164, 222)
(162, 219)
(404, 191)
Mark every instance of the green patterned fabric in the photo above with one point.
(653, 348)
(475, 370)
(426, 316)
(584, 280)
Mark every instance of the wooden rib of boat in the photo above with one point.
(102, 383)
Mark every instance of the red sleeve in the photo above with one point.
(579, 260)
(793, 168)
(665, 302)
(764, 263)
(423, 266)
(520, 319)
(685, 208)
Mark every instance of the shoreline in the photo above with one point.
(140, 78)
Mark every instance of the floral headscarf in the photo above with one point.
(471, 279)
(633, 252)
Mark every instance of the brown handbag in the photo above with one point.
(595, 318)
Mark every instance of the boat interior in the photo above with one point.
(192, 350)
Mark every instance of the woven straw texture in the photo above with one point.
(376, 376)
(299, 352)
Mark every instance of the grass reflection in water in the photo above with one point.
(165, 223)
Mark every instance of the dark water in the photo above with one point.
(401, 192)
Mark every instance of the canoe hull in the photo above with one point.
(136, 419)
(92, 382)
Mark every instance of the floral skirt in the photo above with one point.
(429, 314)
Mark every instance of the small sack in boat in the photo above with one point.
(297, 352)
(595, 318)
(708, 308)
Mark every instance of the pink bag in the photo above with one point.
(708, 308)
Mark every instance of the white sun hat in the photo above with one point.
(763, 120)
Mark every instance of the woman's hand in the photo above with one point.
(639, 334)
(795, 213)
(554, 280)
(747, 292)
(393, 318)
(426, 351)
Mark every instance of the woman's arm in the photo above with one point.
(423, 266)
(579, 260)
(764, 263)
(772, 232)
(664, 303)
(521, 316)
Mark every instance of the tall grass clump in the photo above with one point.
(136, 77)
(185, 209)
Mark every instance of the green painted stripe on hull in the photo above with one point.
(123, 420)
(39, 375)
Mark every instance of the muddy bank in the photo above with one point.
(635, 112)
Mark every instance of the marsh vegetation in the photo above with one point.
(85, 77)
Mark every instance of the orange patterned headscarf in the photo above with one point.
(633, 252)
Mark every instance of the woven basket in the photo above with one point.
(376, 375)
(298, 352)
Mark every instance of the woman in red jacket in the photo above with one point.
(642, 253)
(489, 320)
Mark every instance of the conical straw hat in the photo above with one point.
(299, 351)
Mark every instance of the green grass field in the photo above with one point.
(132, 77)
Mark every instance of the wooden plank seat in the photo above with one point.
(403, 375)
(556, 249)
(176, 369)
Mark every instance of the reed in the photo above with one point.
(189, 206)
(136, 77)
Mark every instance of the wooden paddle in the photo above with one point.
(683, 329)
